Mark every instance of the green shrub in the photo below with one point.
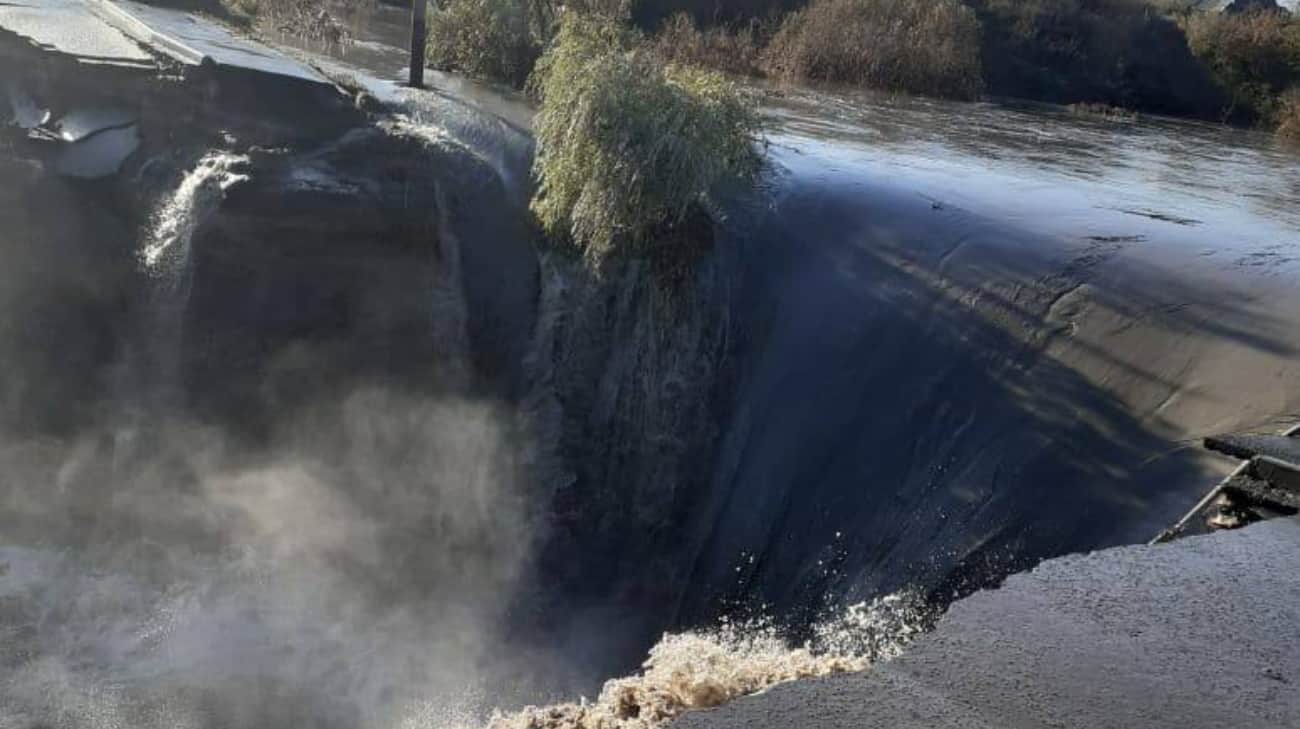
(628, 148)
(734, 50)
(495, 39)
(1254, 57)
(918, 46)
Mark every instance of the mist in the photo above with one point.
(352, 552)
(365, 562)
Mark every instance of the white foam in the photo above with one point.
(200, 190)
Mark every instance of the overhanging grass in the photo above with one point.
(628, 148)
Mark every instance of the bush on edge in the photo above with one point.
(628, 148)
(917, 46)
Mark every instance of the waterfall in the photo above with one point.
(167, 248)
(165, 258)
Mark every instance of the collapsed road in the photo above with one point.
(108, 74)
(935, 347)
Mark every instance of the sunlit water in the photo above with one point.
(1234, 194)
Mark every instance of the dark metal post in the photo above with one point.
(419, 9)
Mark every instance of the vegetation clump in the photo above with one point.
(308, 18)
(926, 47)
(628, 147)
(731, 49)
(1254, 56)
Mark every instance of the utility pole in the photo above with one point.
(419, 10)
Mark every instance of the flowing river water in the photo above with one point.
(939, 343)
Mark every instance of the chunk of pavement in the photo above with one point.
(24, 112)
(1246, 446)
(98, 156)
(80, 123)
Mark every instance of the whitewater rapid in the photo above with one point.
(704, 669)
(199, 192)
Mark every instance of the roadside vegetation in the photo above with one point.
(1175, 57)
(1254, 56)
(918, 46)
(495, 39)
(634, 130)
(312, 19)
(629, 143)
(628, 147)
(731, 48)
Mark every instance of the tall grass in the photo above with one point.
(735, 49)
(628, 147)
(494, 39)
(917, 46)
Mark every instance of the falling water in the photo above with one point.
(167, 249)
(165, 257)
